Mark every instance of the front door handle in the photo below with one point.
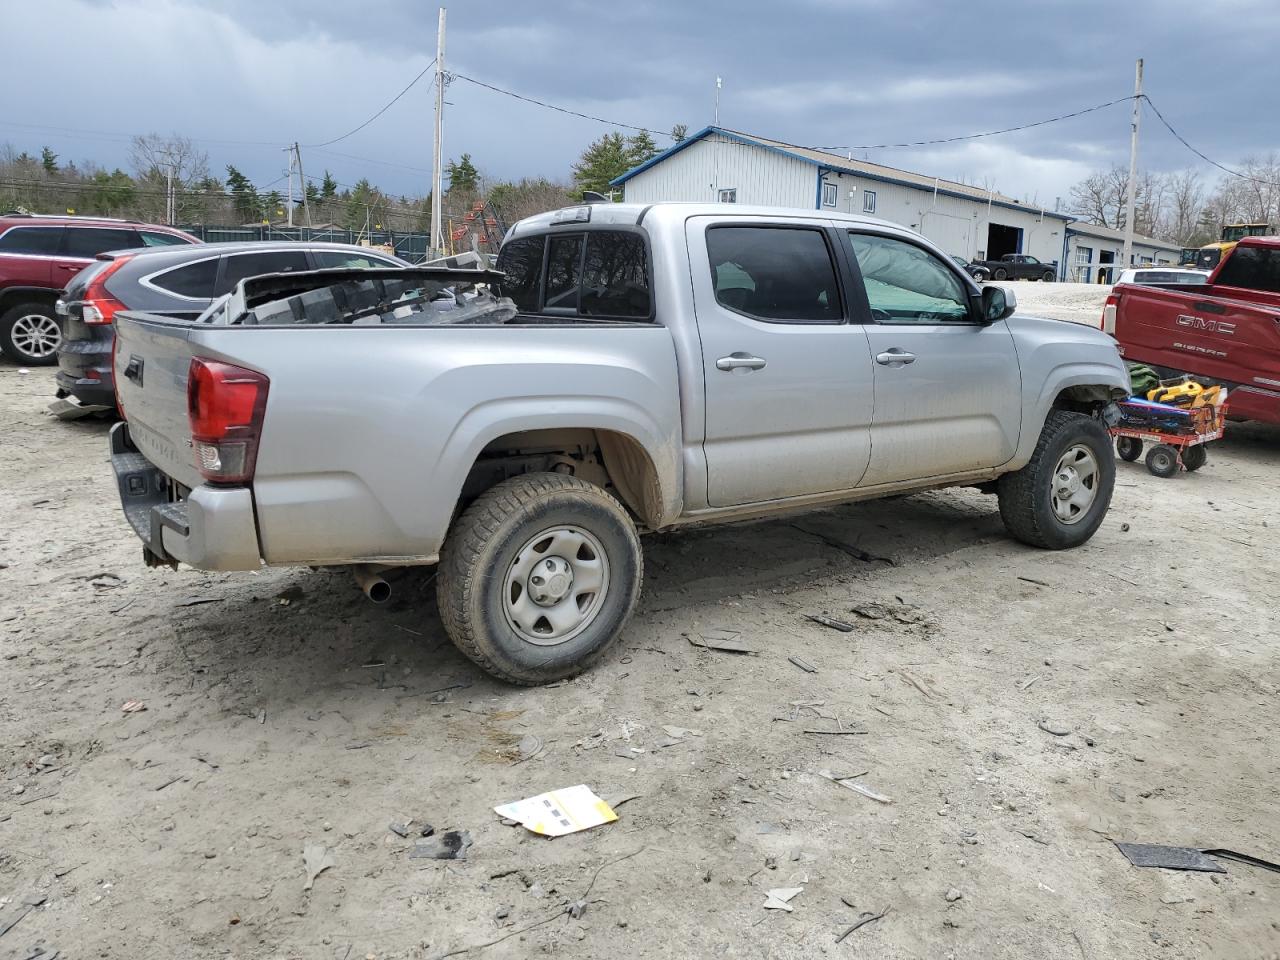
(739, 361)
(895, 356)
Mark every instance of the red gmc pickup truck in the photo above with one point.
(1226, 331)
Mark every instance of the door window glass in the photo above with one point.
(195, 280)
(341, 259)
(244, 265)
(774, 273)
(31, 240)
(564, 272)
(907, 284)
(152, 239)
(88, 242)
(521, 261)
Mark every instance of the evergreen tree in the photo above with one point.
(641, 148)
(464, 178)
(679, 133)
(328, 187)
(48, 160)
(602, 161)
(245, 201)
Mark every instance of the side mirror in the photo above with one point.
(997, 303)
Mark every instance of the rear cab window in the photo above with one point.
(598, 274)
(1252, 268)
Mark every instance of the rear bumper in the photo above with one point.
(211, 528)
(84, 364)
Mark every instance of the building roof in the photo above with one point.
(838, 163)
(1107, 233)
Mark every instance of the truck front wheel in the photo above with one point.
(538, 577)
(1061, 496)
(1001, 273)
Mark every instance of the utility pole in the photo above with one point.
(302, 179)
(1130, 197)
(289, 205)
(437, 201)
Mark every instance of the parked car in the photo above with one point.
(658, 365)
(39, 255)
(1019, 266)
(1223, 331)
(1159, 275)
(972, 269)
(177, 282)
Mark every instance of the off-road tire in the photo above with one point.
(7, 321)
(481, 547)
(1128, 449)
(1162, 461)
(1193, 458)
(1026, 495)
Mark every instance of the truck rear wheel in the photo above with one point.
(1047, 276)
(538, 577)
(1059, 499)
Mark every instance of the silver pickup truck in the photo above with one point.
(631, 368)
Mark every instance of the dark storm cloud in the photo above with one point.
(818, 72)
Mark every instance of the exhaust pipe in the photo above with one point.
(371, 582)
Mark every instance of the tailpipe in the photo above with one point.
(371, 582)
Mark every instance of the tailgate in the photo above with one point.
(1215, 336)
(152, 356)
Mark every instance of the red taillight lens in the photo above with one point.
(225, 406)
(98, 306)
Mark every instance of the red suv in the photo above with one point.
(39, 255)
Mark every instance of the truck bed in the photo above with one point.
(369, 430)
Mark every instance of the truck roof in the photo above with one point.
(631, 214)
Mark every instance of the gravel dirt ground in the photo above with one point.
(282, 710)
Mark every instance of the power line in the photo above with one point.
(979, 136)
(1181, 139)
(390, 103)
(552, 106)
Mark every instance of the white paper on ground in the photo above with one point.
(559, 812)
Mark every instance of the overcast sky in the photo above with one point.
(90, 73)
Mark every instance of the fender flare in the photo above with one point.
(13, 295)
(1062, 377)
(485, 423)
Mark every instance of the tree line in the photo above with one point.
(48, 184)
(1181, 206)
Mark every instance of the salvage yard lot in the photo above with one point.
(283, 710)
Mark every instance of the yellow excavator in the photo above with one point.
(1211, 254)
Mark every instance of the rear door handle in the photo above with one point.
(739, 361)
(895, 355)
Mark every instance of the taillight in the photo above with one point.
(97, 306)
(1109, 314)
(225, 406)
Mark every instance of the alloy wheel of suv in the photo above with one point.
(30, 334)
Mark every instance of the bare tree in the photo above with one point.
(152, 156)
(1186, 207)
